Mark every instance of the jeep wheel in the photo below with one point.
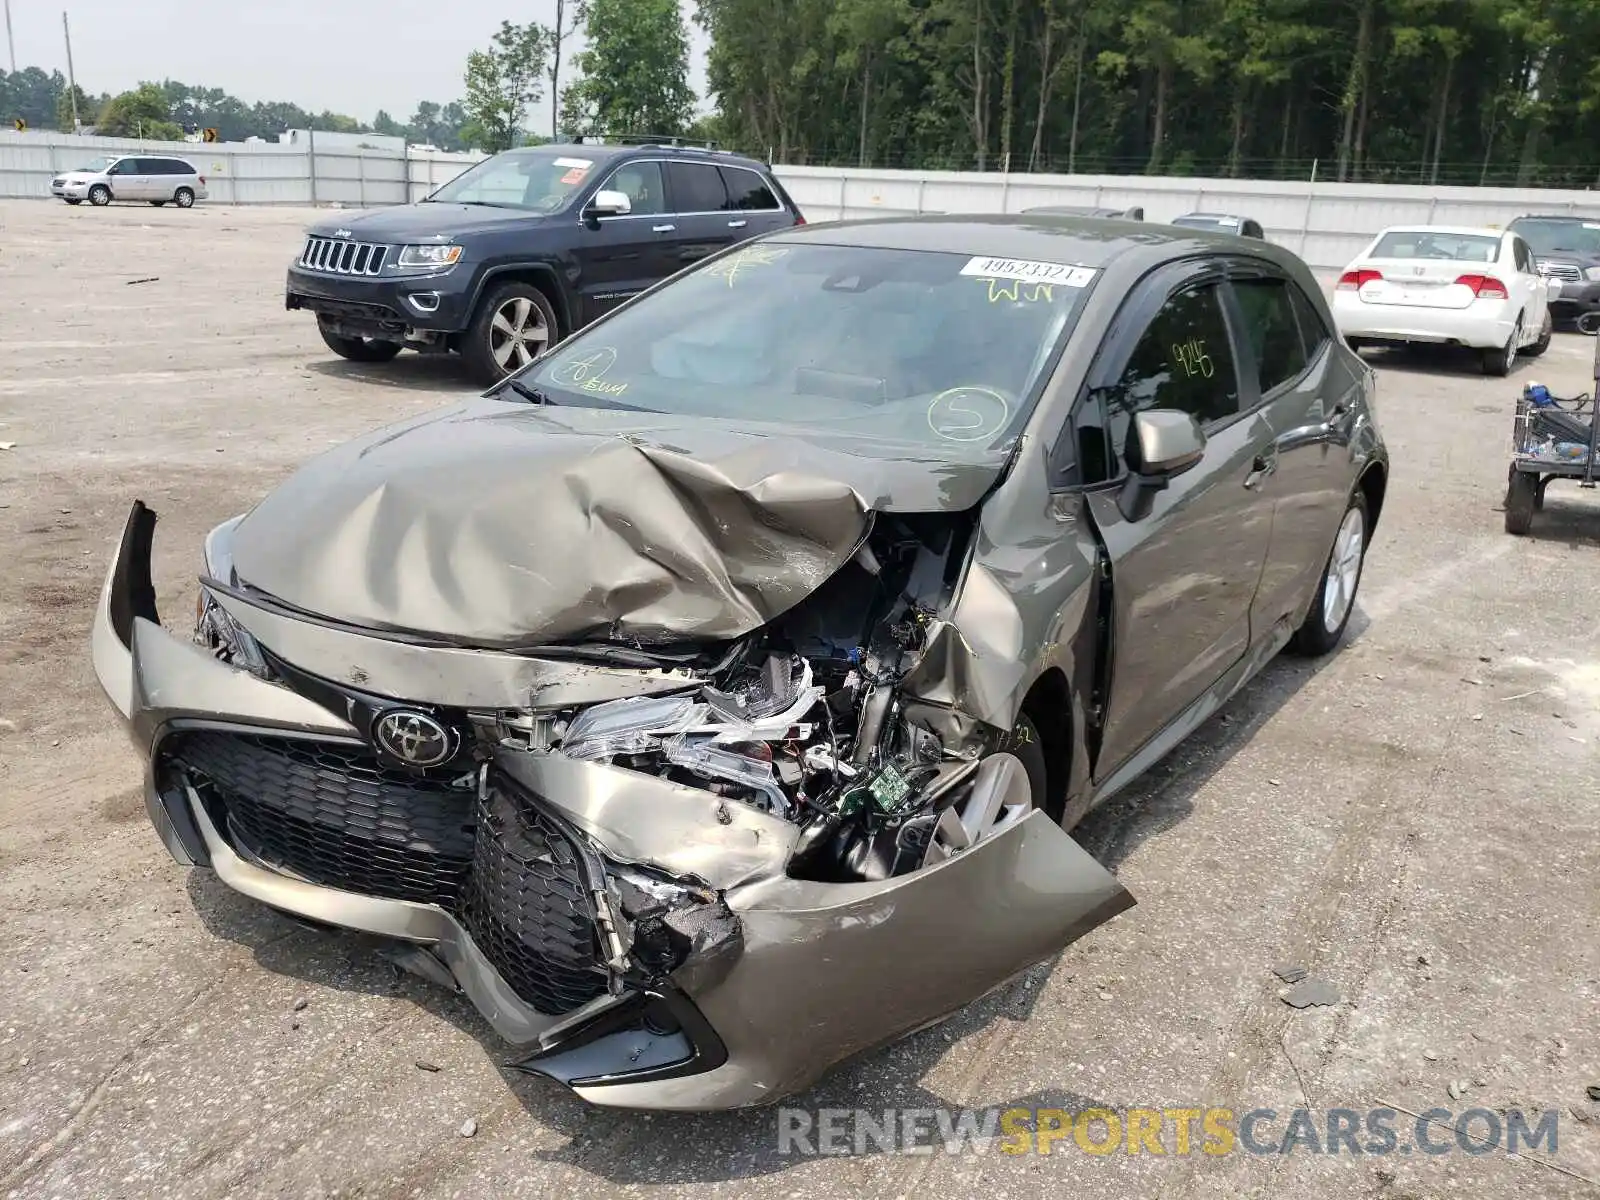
(512, 327)
(361, 350)
(183, 197)
(99, 195)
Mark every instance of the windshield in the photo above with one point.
(901, 345)
(95, 165)
(1431, 243)
(1556, 237)
(535, 180)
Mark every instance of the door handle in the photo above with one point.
(737, 224)
(1263, 466)
(662, 228)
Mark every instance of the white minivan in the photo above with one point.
(157, 179)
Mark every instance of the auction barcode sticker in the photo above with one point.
(1035, 272)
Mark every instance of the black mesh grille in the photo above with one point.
(333, 814)
(526, 908)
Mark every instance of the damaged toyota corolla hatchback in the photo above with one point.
(708, 702)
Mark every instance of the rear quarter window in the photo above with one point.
(748, 191)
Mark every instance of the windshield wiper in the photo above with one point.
(531, 394)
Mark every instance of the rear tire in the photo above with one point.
(1499, 362)
(158, 204)
(1546, 332)
(361, 350)
(73, 200)
(1335, 599)
(99, 195)
(514, 324)
(1522, 495)
(183, 197)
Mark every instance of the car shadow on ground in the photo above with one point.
(410, 372)
(625, 1147)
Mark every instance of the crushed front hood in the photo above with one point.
(506, 524)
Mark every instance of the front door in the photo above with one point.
(619, 257)
(126, 181)
(1184, 575)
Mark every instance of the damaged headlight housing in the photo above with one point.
(217, 632)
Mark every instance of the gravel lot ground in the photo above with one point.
(1415, 819)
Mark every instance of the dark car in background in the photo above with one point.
(524, 248)
(709, 701)
(1567, 250)
(1221, 223)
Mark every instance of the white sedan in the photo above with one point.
(1445, 285)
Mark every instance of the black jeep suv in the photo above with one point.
(1567, 249)
(525, 247)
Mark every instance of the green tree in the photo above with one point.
(142, 112)
(635, 70)
(504, 80)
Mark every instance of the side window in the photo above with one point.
(1524, 256)
(1184, 361)
(124, 166)
(1271, 330)
(176, 166)
(641, 183)
(147, 166)
(1312, 330)
(747, 191)
(696, 188)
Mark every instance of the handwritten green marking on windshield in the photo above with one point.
(733, 265)
(1016, 290)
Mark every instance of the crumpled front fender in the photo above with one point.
(830, 969)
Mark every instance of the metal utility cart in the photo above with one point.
(1551, 439)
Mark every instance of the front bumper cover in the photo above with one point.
(816, 972)
(363, 306)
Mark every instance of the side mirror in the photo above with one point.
(610, 204)
(1162, 444)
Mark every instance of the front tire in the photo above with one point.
(513, 326)
(158, 204)
(361, 350)
(73, 200)
(1498, 363)
(1522, 497)
(183, 197)
(1324, 626)
(99, 195)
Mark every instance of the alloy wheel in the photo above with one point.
(1344, 570)
(518, 334)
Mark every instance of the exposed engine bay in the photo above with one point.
(803, 719)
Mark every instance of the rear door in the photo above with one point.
(1184, 576)
(1289, 367)
(618, 257)
(753, 206)
(700, 212)
(1534, 288)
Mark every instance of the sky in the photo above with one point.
(351, 56)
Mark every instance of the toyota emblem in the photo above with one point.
(413, 738)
